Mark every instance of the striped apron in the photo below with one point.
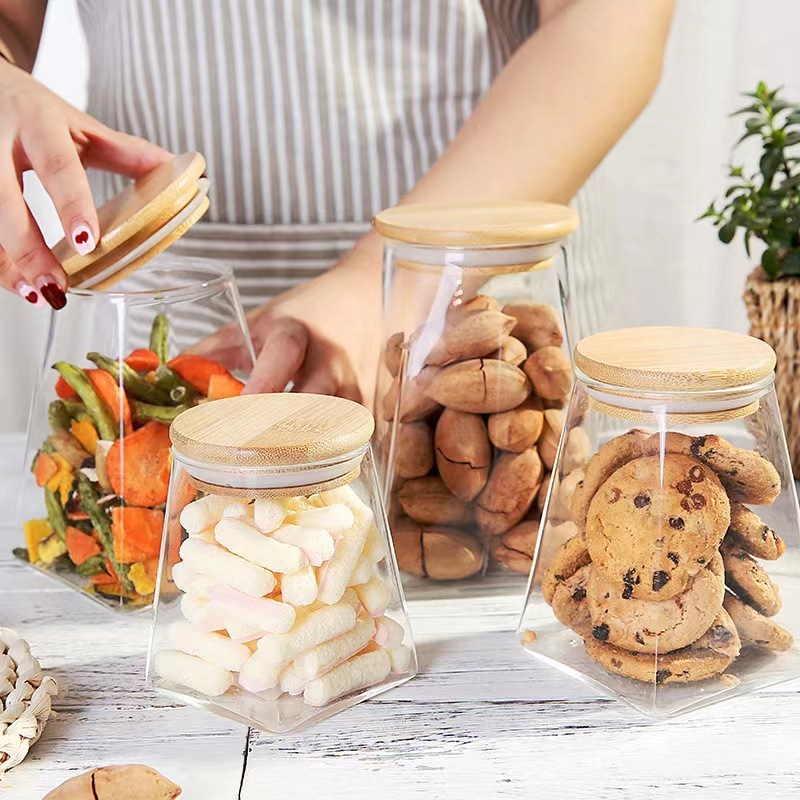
(312, 114)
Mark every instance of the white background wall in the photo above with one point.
(661, 175)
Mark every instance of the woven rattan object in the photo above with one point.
(773, 308)
(25, 697)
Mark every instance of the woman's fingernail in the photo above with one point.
(51, 291)
(27, 292)
(83, 238)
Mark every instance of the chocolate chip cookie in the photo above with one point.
(755, 628)
(566, 561)
(747, 475)
(569, 602)
(752, 534)
(748, 580)
(650, 626)
(652, 526)
(607, 460)
(711, 654)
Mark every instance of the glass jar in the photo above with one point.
(116, 371)
(472, 384)
(668, 569)
(279, 601)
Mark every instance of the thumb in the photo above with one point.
(121, 153)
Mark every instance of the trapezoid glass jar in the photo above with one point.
(668, 568)
(472, 385)
(279, 600)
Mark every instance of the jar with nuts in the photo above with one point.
(472, 385)
(661, 587)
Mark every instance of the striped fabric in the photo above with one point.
(312, 114)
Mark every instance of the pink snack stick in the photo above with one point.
(358, 672)
(217, 563)
(244, 540)
(316, 543)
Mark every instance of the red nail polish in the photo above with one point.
(32, 297)
(53, 294)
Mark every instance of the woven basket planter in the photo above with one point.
(773, 308)
(25, 696)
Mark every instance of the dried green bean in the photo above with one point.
(147, 412)
(180, 392)
(135, 385)
(92, 566)
(55, 514)
(159, 335)
(95, 407)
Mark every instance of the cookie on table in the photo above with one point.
(750, 582)
(569, 602)
(651, 527)
(607, 460)
(747, 475)
(755, 628)
(752, 534)
(710, 655)
(649, 626)
(566, 561)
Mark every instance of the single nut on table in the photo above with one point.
(416, 402)
(511, 350)
(537, 325)
(439, 553)
(470, 334)
(518, 429)
(463, 453)
(509, 492)
(479, 386)
(429, 502)
(413, 455)
(393, 353)
(549, 372)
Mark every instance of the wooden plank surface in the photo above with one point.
(482, 720)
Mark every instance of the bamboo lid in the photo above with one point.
(137, 224)
(477, 224)
(674, 358)
(271, 430)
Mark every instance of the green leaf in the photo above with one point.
(769, 261)
(727, 232)
(790, 263)
(792, 139)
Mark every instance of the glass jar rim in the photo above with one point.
(218, 275)
(678, 401)
(273, 477)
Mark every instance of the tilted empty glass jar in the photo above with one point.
(650, 577)
(279, 601)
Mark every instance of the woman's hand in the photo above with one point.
(40, 131)
(323, 336)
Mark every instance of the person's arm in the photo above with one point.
(558, 107)
(21, 23)
(41, 132)
(550, 117)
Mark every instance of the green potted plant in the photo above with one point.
(765, 206)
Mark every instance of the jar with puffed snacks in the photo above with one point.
(471, 387)
(279, 601)
(671, 578)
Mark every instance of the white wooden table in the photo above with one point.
(482, 720)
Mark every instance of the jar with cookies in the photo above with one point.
(675, 580)
(471, 387)
(279, 600)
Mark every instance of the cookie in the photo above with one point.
(650, 626)
(755, 628)
(747, 475)
(566, 561)
(651, 526)
(749, 532)
(711, 654)
(748, 580)
(569, 602)
(607, 460)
